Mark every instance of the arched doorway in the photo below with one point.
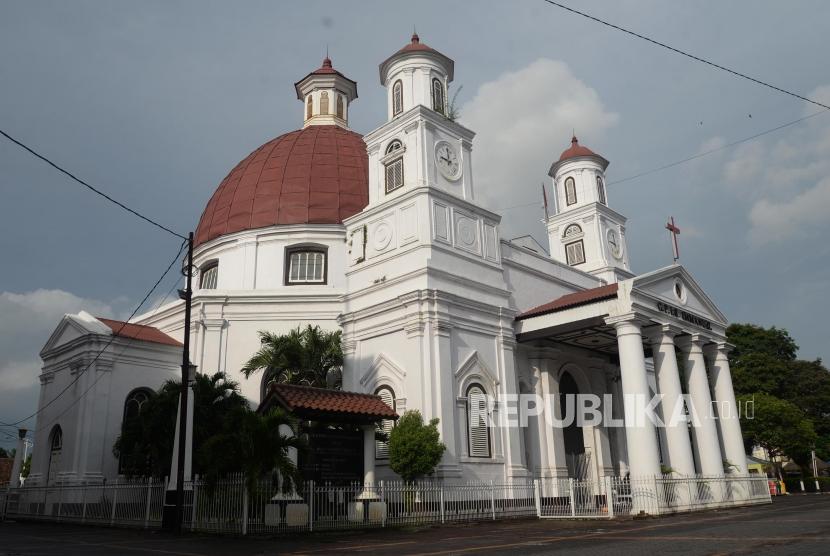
(55, 450)
(577, 460)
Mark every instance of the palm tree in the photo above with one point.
(309, 357)
(252, 443)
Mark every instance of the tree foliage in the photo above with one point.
(145, 445)
(764, 362)
(309, 357)
(415, 448)
(256, 445)
(778, 426)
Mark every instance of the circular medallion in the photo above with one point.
(382, 236)
(466, 232)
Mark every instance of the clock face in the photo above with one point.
(614, 244)
(446, 158)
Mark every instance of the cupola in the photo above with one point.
(326, 94)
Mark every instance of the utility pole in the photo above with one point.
(172, 521)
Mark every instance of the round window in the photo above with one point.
(679, 291)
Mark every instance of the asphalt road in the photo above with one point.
(798, 524)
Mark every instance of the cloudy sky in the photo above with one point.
(155, 102)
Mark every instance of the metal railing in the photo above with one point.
(233, 506)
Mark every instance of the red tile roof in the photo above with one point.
(571, 300)
(305, 399)
(316, 175)
(139, 332)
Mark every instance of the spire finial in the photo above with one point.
(415, 38)
(574, 140)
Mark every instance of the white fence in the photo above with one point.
(231, 507)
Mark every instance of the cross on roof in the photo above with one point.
(674, 231)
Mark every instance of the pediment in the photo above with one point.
(474, 368)
(382, 366)
(71, 327)
(677, 290)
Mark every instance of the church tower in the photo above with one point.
(584, 232)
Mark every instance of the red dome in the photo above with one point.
(316, 175)
(576, 150)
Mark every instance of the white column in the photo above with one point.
(14, 480)
(678, 444)
(705, 432)
(640, 434)
(728, 414)
(368, 492)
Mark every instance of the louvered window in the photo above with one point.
(575, 253)
(309, 108)
(306, 267)
(210, 276)
(397, 98)
(382, 446)
(324, 103)
(478, 433)
(601, 191)
(340, 106)
(570, 191)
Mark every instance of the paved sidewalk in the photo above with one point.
(797, 524)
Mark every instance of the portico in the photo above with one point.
(633, 333)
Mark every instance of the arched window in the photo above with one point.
(478, 431)
(382, 446)
(575, 252)
(135, 402)
(55, 451)
(209, 276)
(570, 191)
(572, 230)
(340, 106)
(309, 108)
(305, 265)
(601, 191)
(437, 95)
(397, 98)
(324, 103)
(393, 169)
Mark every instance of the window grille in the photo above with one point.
(438, 96)
(478, 433)
(210, 276)
(307, 267)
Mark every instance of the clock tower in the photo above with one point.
(584, 232)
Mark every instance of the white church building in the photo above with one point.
(381, 236)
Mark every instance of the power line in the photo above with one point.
(711, 151)
(690, 158)
(683, 53)
(85, 184)
(111, 340)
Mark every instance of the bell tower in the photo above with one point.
(584, 232)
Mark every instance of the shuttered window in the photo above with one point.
(324, 103)
(438, 96)
(382, 447)
(570, 191)
(478, 433)
(575, 253)
(394, 175)
(601, 191)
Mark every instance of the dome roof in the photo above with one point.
(316, 175)
(575, 151)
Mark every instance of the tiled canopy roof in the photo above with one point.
(308, 401)
(570, 300)
(316, 175)
(139, 332)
